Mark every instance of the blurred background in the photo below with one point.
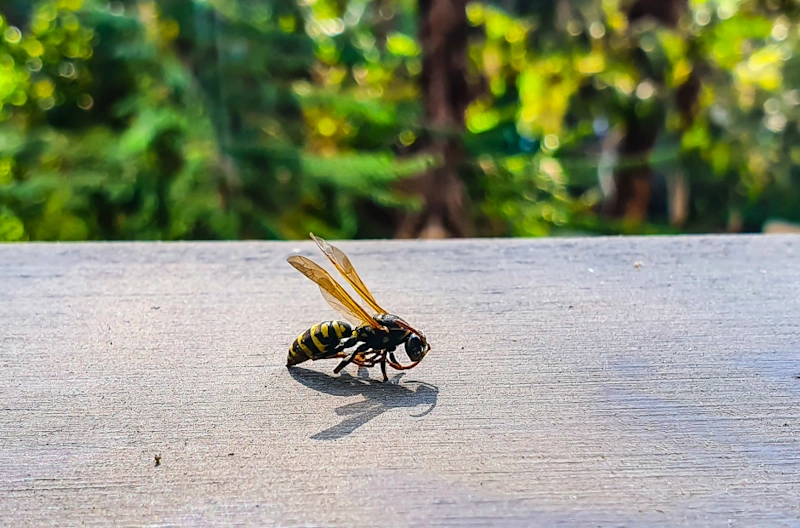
(267, 119)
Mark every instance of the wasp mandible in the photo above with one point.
(377, 336)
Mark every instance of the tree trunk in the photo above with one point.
(631, 195)
(632, 184)
(443, 34)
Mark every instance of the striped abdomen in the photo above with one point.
(318, 341)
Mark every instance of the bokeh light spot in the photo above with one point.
(12, 35)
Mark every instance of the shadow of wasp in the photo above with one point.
(376, 337)
(379, 398)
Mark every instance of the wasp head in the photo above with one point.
(416, 345)
(415, 348)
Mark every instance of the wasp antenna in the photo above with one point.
(407, 327)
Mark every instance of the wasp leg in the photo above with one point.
(369, 362)
(346, 344)
(350, 358)
(405, 367)
(383, 366)
(396, 364)
(331, 355)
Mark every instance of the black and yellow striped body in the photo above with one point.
(318, 342)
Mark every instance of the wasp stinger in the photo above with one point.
(377, 336)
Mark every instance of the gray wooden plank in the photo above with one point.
(566, 386)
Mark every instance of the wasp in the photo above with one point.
(377, 336)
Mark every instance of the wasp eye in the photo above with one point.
(414, 348)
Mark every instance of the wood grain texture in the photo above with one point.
(565, 386)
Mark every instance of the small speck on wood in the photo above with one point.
(158, 460)
(637, 265)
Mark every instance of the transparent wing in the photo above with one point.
(343, 310)
(342, 263)
(336, 296)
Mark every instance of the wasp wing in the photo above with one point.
(343, 310)
(336, 296)
(348, 271)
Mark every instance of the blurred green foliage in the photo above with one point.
(223, 119)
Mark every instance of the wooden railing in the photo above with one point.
(608, 381)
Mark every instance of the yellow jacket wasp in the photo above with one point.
(377, 336)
